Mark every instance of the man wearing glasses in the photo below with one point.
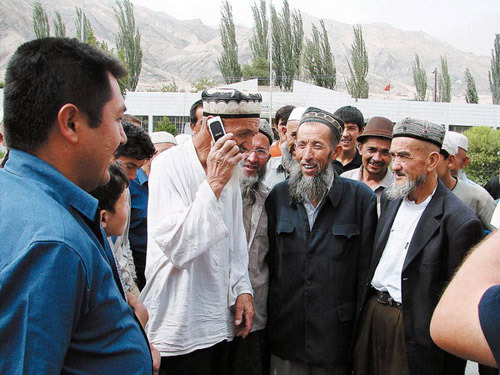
(250, 356)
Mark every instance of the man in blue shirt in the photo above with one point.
(63, 309)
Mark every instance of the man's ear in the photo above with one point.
(69, 119)
(451, 162)
(432, 160)
(103, 217)
(336, 152)
(466, 161)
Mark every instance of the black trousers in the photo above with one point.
(250, 356)
(140, 267)
(209, 361)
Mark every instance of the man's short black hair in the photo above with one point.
(139, 145)
(351, 115)
(108, 194)
(283, 114)
(192, 111)
(45, 74)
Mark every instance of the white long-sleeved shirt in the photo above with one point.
(197, 259)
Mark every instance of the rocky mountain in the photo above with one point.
(188, 50)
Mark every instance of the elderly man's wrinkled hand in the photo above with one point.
(222, 159)
(243, 318)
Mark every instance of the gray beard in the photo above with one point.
(250, 185)
(312, 188)
(287, 161)
(394, 191)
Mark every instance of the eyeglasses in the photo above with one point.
(261, 153)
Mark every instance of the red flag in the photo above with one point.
(388, 87)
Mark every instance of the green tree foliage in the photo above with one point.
(318, 60)
(41, 25)
(290, 38)
(278, 67)
(164, 125)
(59, 26)
(471, 92)
(258, 69)
(88, 32)
(444, 84)
(259, 43)
(484, 153)
(203, 83)
(420, 79)
(228, 62)
(357, 85)
(128, 42)
(494, 73)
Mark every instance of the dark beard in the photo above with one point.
(312, 188)
(250, 185)
(399, 192)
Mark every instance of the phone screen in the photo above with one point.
(216, 128)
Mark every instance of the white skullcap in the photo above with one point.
(297, 113)
(461, 140)
(162, 137)
(182, 138)
(450, 143)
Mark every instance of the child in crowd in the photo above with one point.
(114, 210)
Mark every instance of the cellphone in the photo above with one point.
(216, 128)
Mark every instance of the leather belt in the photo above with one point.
(386, 299)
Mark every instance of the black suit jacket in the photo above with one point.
(444, 234)
(317, 276)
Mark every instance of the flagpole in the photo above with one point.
(270, 41)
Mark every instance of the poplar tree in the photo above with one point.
(444, 84)
(259, 43)
(420, 79)
(128, 42)
(494, 73)
(41, 25)
(357, 85)
(319, 60)
(88, 32)
(228, 62)
(59, 26)
(471, 92)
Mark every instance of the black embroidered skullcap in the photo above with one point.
(231, 103)
(313, 114)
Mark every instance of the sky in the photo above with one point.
(469, 25)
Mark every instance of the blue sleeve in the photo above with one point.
(489, 317)
(42, 293)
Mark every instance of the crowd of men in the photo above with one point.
(324, 252)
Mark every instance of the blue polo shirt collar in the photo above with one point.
(141, 177)
(26, 165)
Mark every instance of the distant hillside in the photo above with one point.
(188, 50)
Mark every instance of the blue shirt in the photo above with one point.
(489, 314)
(61, 309)
(138, 232)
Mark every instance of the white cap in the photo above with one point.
(450, 143)
(461, 140)
(182, 138)
(162, 137)
(297, 113)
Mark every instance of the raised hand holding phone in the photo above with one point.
(223, 156)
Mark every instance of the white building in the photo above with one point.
(151, 107)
